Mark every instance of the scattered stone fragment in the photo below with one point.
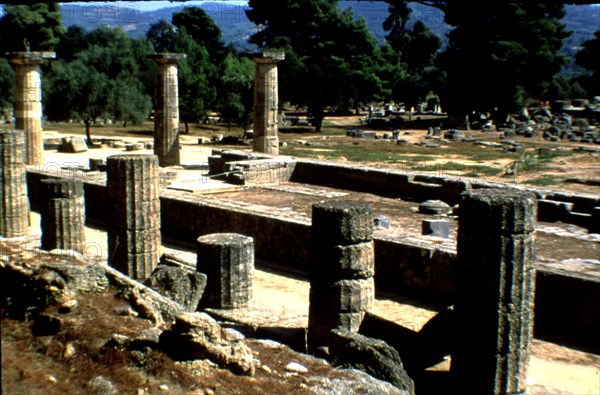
(435, 207)
(296, 367)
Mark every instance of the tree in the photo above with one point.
(202, 29)
(587, 58)
(101, 80)
(236, 94)
(7, 85)
(329, 55)
(500, 55)
(85, 90)
(35, 27)
(414, 52)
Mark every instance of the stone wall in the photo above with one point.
(577, 208)
(410, 266)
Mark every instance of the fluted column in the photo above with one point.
(134, 226)
(266, 101)
(495, 291)
(14, 204)
(28, 101)
(166, 109)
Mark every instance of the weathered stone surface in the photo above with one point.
(166, 109)
(28, 101)
(134, 290)
(357, 382)
(499, 212)
(372, 356)
(100, 385)
(345, 261)
(341, 222)
(197, 336)
(134, 229)
(435, 207)
(14, 204)
(62, 225)
(266, 90)
(227, 259)
(495, 290)
(183, 286)
(322, 321)
(344, 296)
(435, 227)
(73, 145)
(59, 188)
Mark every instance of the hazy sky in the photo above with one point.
(154, 5)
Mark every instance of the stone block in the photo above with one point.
(341, 222)
(435, 207)
(436, 227)
(73, 145)
(373, 356)
(344, 296)
(185, 287)
(60, 188)
(344, 262)
(494, 211)
(62, 225)
(227, 259)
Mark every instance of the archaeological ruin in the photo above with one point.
(187, 258)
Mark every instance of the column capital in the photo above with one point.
(167, 57)
(29, 58)
(267, 57)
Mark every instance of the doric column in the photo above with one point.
(265, 102)
(28, 101)
(342, 288)
(134, 226)
(166, 109)
(14, 204)
(62, 211)
(495, 291)
(227, 259)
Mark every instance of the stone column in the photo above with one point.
(227, 259)
(342, 288)
(134, 226)
(28, 101)
(166, 109)
(495, 291)
(62, 214)
(14, 204)
(266, 102)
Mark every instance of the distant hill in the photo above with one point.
(583, 20)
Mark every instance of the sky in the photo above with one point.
(155, 5)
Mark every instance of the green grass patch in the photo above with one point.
(356, 153)
(543, 181)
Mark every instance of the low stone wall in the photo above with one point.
(566, 303)
(578, 208)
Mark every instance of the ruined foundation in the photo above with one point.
(134, 226)
(495, 291)
(227, 259)
(62, 215)
(342, 287)
(14, 203)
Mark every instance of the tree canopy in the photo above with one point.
(35, 27)
(100, 80)
(588, 58)
(500, 55)
(329, 55)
